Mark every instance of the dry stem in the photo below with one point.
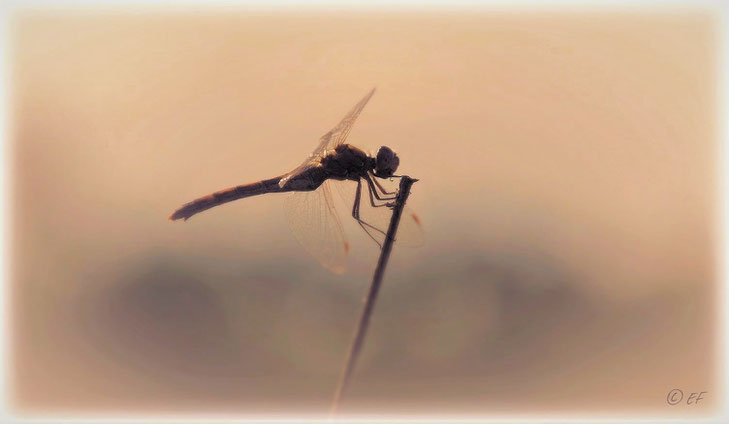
(402, 195)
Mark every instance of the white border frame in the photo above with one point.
(722, 257)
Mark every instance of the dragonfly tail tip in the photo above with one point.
(175, 217)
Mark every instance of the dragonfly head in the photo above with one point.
(386, 162)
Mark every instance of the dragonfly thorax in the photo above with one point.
(386, 162)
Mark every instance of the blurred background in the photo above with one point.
(567, 191)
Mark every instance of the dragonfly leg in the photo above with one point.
(372, 186)
(382, 189)
(373, 191)
(370, 191)
(355, 215)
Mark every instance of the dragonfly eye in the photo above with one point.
(387, 162)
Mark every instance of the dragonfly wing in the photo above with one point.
(410, 233)
(333, 138)
(338, 134)
(314, 223)
(377, 219)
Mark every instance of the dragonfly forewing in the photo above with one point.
(333, 138)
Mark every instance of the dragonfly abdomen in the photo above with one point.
(228, 195)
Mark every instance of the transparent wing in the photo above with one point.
(338, 134)
(314, 223)
(376, 220)
(332, 139)
(411, 232)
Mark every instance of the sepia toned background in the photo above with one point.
(567, 190)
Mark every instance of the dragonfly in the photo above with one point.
(310, 208)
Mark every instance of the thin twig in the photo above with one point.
(359, 335)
